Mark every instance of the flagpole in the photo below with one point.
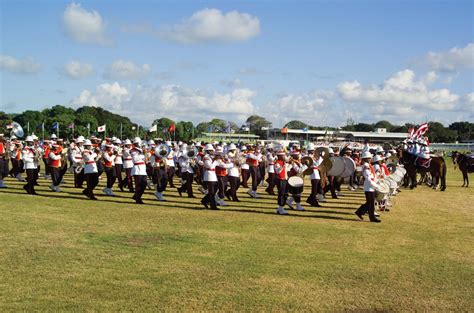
(88, 130)
(121, 137)
(28, 128)
(57, 129)
(138, 130)
(42, 130)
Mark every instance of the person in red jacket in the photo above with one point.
(282, 181)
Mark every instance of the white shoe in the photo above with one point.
(350, 188)
(20, 178)
(250, 193)
(106, 191)
(282, 211)
(57, 189)
(202, 190)
(157, 195)
(299, 207)
(111, 193)
(2, 184)
(222, 202)
(52, 187)
(376, 214)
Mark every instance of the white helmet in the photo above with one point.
(114, 138)
(377, 158)
(34, 137)
(366, 155)
(388, 155)
(151, 142)
(168, 143)
(219, 149)
(53, 136)
(232, 147)
(29, 139)
(310, 146)
(137, 140)
(127, 142)
(79, 140)
(331, 150)
(209, 147)
(184, 146)
(379, 149)
(87, 142)
(117, 141)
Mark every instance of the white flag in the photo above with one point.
(101, 128)
(246, 129)
(265, 128)
(153, 128)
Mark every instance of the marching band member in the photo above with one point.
(118, 162)
(253, 158)
(3, 161)
(63, 169)
(245, 168)
(221, 172)
(314, 177)
(295, 169)
(270, 158)
(159, 176)
(233, 174)
(368, 172)
(17, 162)
(127, 165)
(46, 149)
(76, 155)
(54, 161)
(91, 174)
(209, 178)
(332, 181)
(109, 165)
(186, 165)
(138, 170)
(170, 164)
(282, 181)
(30, 165)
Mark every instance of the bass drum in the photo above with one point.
(349, 167)
(338, 166)
(295, 185)
(381, 191)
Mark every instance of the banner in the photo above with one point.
(154, 128)
(101, 129)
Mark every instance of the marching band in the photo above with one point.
(218, 169)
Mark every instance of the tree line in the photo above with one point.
(85, 120)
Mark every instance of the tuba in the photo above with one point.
(192, 153)
(162, 152)
(17, 130)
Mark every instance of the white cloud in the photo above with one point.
(233, 83)
(77, 70)
(84, 26)
(400, 93)
(455, 59)
(211, 25)
(145, 104)
(469, 102)
(21, 66)
(121, 69)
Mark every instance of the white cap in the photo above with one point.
(79, 139)
(310, 146)
(151, 142)
(53, 136)
(388, 155)
(87, 142)
(366, 155)
(209, 147)
(127, 142)
(379, 149)
(377, 158)
(13, 137)
(114, 138)
(29, 139)
(232, 147)
(137, 140)
(219, 149)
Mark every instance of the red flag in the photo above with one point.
(411, 131)
(421, 130)
(171, 128)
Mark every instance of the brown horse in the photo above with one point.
(466, 165)
(437, 169)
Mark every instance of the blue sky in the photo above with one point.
(316, 61)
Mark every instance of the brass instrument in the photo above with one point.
(192, 153)
(326, 164)
(6, 156)
(308, 161)
(17, 130)
(162, 151)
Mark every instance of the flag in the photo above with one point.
(421, 130)
(246, 129)
(10, 126)
(101, 128)
(42, 126)
(228, 129)
(153, 128)
(305, 129)
(88, 125)
(284, 130)
(56, 125)
(209, 129)
(70, 125)
(411, 131)
(265, 128)
(172, 128)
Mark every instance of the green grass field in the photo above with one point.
(60, 252)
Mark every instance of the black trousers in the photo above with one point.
(140, 185)
(210, 197)
(261, 168)
(331, 186)
(221, 186)
(171, 171)
(78, 178)
(282, 187)
(245, 178)
(312, 198)
(110, 172)
(187, 183)
(128, 181)
(16, 167)
(56, 175)
(3, 168)
(100, 167)
(255, 174)
(271, 180)
(92, 180)
(160, 179)
(118, 174)
(47, 168)
(234, 183)
(31, 181)
(369, 205)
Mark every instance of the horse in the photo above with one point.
(466, 165)
(437, 169)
